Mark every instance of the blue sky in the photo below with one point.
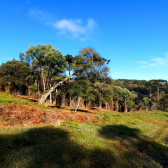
(133, 34)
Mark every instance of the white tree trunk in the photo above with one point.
(44, 97)
(44, 84)
(50, 96)
(100, 105)
(79, 98)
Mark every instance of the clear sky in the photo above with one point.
(133, 34)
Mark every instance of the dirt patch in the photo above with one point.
(15, 114)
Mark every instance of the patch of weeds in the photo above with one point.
(70, 122)
(97, 120)
(106, 117)
(117, 119)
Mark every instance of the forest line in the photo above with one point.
(41, 73)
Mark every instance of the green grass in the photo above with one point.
(6, 99)
(135, 139)
(132, 143)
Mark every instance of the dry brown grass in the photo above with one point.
(16, 114)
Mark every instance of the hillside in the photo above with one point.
(104, 139)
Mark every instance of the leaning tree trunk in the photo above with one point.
(44, 97)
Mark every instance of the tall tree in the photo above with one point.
(158, 84)
(46, 60)
(117, 95)
(90, 63)
(19, 74)
(69, 60)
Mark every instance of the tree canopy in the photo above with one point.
(19, 74)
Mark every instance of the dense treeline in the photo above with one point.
(43, 70)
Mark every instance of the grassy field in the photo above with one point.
(136, 139)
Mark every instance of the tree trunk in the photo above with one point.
(44, 97)
(112, 105)
(106, 105)
(63, 100)
(55, 96)
(38, 90)
(100, 105)
(117, 107)
(29, 91)
(125, 108)
(50, 96)
(44, 84)
(69, 100)
(79, 98)
(70, 94)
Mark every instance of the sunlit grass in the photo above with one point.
(6, 98)
(134, 139)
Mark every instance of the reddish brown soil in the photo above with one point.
(15, 114)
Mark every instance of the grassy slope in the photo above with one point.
(137, 139)
(6, 99)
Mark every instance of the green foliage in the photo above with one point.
(80, 86)
(42, 66)
(33, 88)
(130, 104)
(90, 63)
(19, 74)
(46, 61)
(69, 60)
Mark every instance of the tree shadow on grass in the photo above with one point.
(138, 147)
(49, 147)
